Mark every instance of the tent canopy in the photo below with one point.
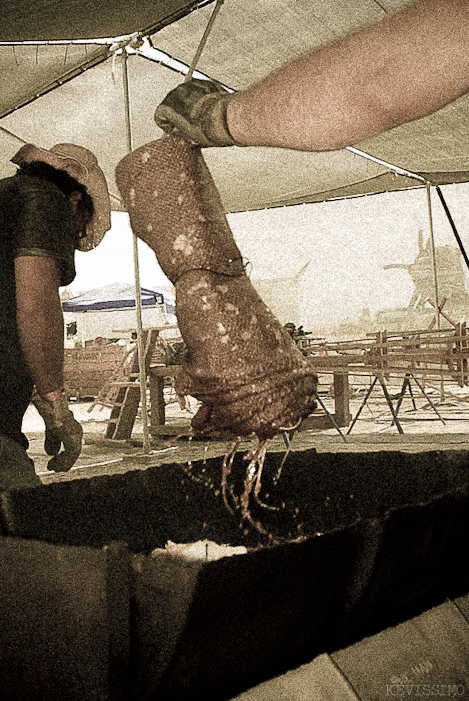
(117, 296)
(74, 91)
(48, 20)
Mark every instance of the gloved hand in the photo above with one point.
(196, 110)
(61, 429)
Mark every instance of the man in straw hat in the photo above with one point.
(56, 203)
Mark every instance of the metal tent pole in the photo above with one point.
(435, 276)
(135, 41)
(432, 240)
(408, 173)
(138, 292)
(203, 41)
(395, 169)
(453, 225)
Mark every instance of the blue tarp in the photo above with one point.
(116, 296)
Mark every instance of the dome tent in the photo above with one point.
(116, 296)
(109, 311)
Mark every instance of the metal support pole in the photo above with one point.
(412, 396)
(435, 276)
(432, 241)
(332, 419)
(420, 386)
(453, 225)
(391, 406)
(138, 292)
(405, 384)
(395, 169)
(370, 389)
(203, 41)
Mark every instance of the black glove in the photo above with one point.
(61, 429)
(196, 110)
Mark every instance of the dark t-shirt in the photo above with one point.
(35, 220)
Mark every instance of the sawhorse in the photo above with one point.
(395, 410)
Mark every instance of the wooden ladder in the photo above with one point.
(127, 401)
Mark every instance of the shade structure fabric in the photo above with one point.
(87, 19)
(81, 96)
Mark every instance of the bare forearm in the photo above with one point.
(401, 69)
(40, 321)
(43, 344)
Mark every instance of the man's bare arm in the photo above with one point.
(403, 68)
(40, 320)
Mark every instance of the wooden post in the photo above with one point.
(342, 399)
(157, 374)
(158, 412)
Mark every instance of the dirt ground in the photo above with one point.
(374, 431)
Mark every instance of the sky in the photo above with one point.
(113, 260)
(346, 243)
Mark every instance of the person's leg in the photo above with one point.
(16, 468)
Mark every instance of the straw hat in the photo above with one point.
(82, 165)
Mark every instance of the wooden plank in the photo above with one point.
(124, 413)
(128, 412)
(147, 328)
(165, 370)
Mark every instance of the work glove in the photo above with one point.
(61, 430)
(196, 110)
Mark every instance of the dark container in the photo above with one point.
(355, 543)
